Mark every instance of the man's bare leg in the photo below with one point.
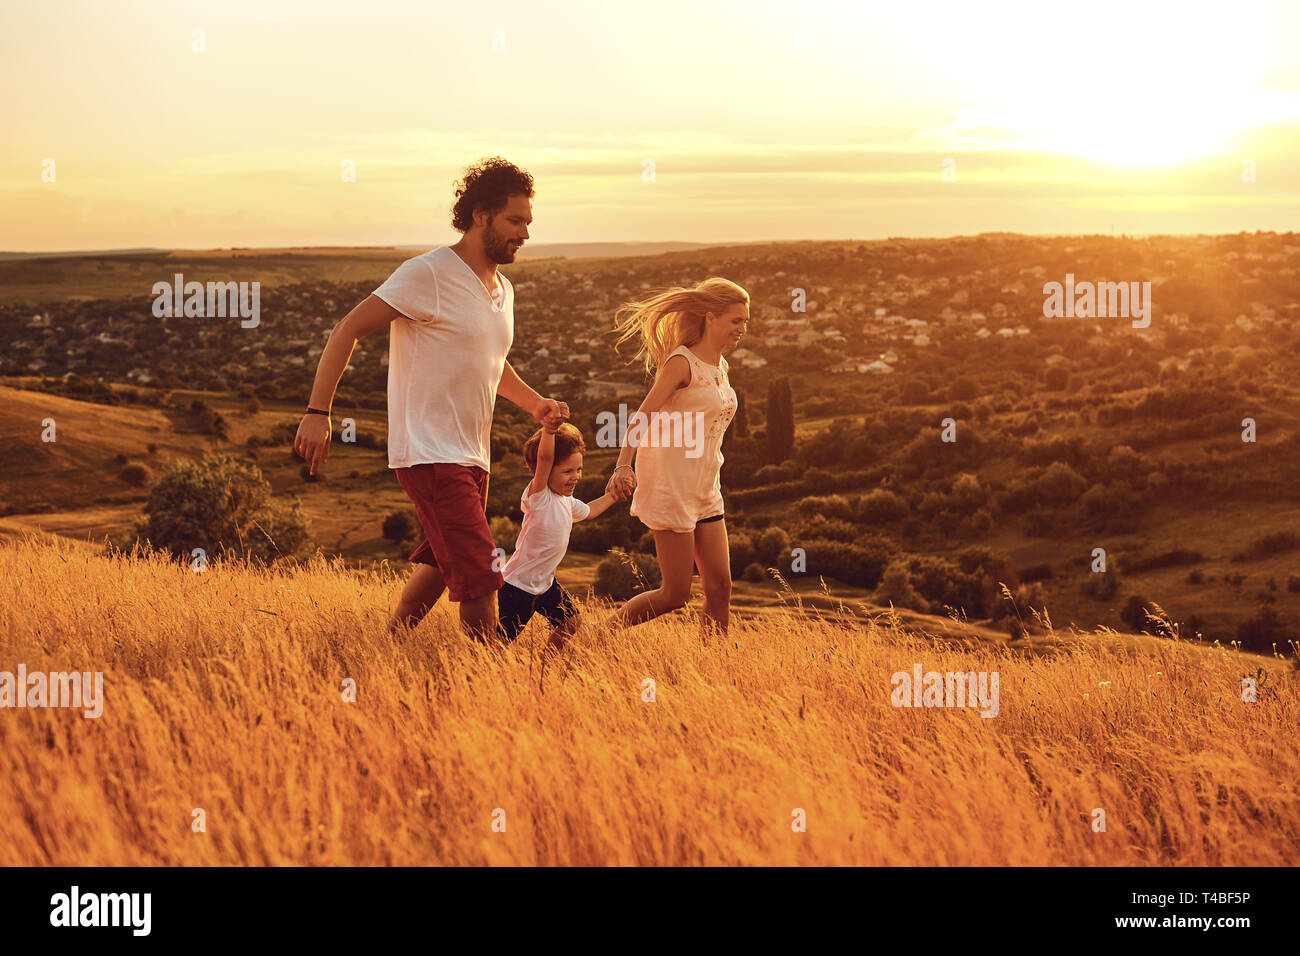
(478, 617)
(421, 593)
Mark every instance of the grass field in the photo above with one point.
(223, 694)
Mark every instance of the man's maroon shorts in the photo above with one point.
(451, 501)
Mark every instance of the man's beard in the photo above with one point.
(498, 248)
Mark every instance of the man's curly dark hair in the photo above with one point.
(488, 184)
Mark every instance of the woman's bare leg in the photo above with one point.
(713, 558)
(676, 553)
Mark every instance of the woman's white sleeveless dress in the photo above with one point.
(676, 485)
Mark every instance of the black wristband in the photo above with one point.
(316, 411)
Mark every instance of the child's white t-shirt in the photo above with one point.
(543, 539)
(446, 353)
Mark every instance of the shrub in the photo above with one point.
(741, 551)
(830, 506)
(505, 532)
(399, 526)
(1168, 559)
(1263, 630)
(1276, 543)
(755, 573)
(858, 565)
(221, 505)
(620, 575)
(1136, 614)
(1037, 572)
(772, 545)
(963, 389)
(897, 588)
(832, 529)
(882, 507)
(135, 474)
(1101, 585)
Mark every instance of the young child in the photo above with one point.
(554, 453)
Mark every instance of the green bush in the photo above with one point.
(620, 576)
(135, 474)
(400, 526)
(772, 545)
(882, 507)
(1101, 585)
(221, 505)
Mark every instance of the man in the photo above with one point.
(452, 318)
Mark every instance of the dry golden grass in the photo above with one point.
(223, 693)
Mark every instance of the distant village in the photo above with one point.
(817, 309)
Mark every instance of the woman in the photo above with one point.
(675, 486)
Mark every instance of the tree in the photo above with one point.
(780, 420)
(221, 505)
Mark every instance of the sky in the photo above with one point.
(134, 123)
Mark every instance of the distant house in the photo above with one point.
(878, 367)
(747, 359)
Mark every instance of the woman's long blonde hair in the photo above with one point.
(673, 318)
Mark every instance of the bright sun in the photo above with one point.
(1116, 81)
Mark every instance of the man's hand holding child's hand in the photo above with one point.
(552, 414)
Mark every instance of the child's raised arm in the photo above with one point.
(545, 458)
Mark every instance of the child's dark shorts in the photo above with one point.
(516, 606)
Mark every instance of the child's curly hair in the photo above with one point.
(567, 440)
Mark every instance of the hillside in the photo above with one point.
(224, 694)
(1070, 435)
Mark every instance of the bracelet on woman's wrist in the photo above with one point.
(617, 467)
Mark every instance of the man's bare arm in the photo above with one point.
(370, 315)
(515, 389)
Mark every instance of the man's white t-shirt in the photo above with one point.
(446, 353)
(543, 540)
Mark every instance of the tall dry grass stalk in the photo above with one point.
(223, 693)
